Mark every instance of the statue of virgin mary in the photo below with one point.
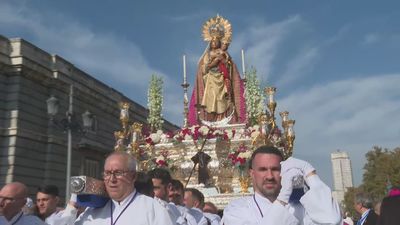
(218, 93)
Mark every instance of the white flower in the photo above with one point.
(164, 138)
(155, 137)
(245, 155)
(160, 157)
(218, 132)
(229, 133)
(204, 130)
(188, 137)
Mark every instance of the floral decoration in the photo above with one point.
(240, 157)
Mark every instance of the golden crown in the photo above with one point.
(217, 28)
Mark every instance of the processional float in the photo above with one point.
(215, 150)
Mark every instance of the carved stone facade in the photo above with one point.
(33, 149)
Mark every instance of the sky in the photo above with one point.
(335, 64)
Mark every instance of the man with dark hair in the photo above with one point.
(162, 184)
(273, 183)
(176, 192)
(194, 200)
(175, 195)
(144, 184)
(363, 204)
(47, 200)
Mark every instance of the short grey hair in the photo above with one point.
(131, 160)
(364, 199)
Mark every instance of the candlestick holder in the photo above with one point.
(185, 87)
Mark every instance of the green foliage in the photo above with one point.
(254, 97)
(382, 168)
(381, 171)
(349, 202)
(155, 102)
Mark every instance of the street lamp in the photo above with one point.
(68, 124)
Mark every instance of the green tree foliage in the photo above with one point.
(349, 202)
(155, 102)
(381, 171)
(254, 97)
(382, 168)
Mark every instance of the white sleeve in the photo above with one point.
(68, 216)
(162, 217)
(320, 207)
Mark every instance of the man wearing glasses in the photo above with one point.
(12, 199)
(126, 206)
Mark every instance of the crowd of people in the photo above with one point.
(285, 192)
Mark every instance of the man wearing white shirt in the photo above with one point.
(194, 200)
(12, 200)
(210, 211)
(46, 202)
(175, 196)
(161, 179)
(127, 206)
(273, 182)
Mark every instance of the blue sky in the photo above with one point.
(335, 63)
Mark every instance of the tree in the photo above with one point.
(155, 102)
(349, 202)
(254, 97)
(382, 168)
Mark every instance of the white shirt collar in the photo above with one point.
(364, 215)
(261, 199)
(124, 202)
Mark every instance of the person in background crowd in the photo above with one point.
(144, 184)
(127, 206)
(363, 204)
(46, 202)
(162, 184)
(390, 209)
(175, 196)
(12, 200)
(210, 208)
(210, 211)
(176, 193)
(194, 200)
(273, 183)
(347, 219)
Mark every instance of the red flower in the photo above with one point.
(149, 141)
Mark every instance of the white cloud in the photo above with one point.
(107, 57)
(371, 38)
(263, 41)
(351, 115)
(299, 66)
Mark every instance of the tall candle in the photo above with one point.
(243, 66)
(184, 69)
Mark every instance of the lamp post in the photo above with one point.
(69, 125)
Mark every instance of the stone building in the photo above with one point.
(342, 174)
(33, 147)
